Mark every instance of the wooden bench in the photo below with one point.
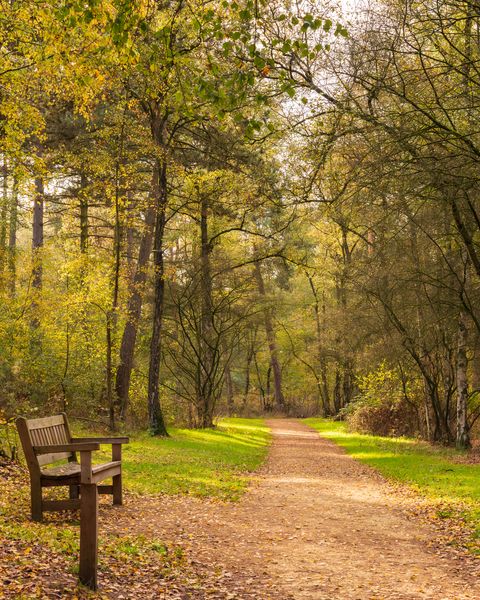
(48, 440)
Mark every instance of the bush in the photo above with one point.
(8, 440)
(382, 406)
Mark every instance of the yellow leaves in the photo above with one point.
(98, 76)
(21, 120)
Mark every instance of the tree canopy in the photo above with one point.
(241, 206)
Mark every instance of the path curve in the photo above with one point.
(316, 524)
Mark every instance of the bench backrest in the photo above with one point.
(45, 431)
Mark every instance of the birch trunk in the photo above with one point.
(463, 433)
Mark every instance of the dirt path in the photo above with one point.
(316, 525)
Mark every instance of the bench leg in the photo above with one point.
(117, 490)
(117, 480)
(89, 535)
(36, 500)
(74, 492)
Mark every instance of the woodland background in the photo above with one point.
(241, 207)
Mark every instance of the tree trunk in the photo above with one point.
(337, 393)
(155, 415)
(37, 233)
(463, 434)
(12, 238)
(439, 434)
(272, 343)
(3, 215)
(268, 405)
(322, 364)
(250, 354)
(205, 395)
(475, 362)
(83, 198)
(259, 380)
(112, 316)
(229, 390)
(348, 381)
(134, 310)
(37, 245)
(109, 372)
(247, 379)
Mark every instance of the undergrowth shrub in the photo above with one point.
(383, 405)
(8, 439)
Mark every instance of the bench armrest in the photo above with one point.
(74, 447)
(102, 440)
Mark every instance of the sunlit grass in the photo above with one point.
(430, 470)
(209, 463)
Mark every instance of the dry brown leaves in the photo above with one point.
(454, 533)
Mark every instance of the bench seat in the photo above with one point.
(72, 470)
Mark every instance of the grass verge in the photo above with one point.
(430, 470)
(199, 462)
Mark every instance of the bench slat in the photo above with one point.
(48, 459)
(103, 440)
(70, 447)
(102, 471)
(43, 422)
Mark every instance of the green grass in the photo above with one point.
(210, 462)
(430, 470)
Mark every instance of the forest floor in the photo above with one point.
(314, 524)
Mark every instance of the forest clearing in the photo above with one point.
(239, 299)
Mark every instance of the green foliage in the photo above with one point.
(325, 176)
(378, 386)
(8, 439)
